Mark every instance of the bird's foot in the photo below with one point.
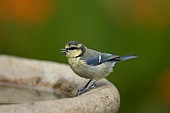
(90, 85)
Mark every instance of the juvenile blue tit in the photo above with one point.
(89, 63)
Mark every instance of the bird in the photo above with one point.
(90, 64)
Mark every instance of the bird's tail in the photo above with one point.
(122, 58)
(127, 57)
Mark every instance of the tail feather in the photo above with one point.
(127, 57)
(122, 58)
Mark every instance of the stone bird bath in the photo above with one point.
(53, 78)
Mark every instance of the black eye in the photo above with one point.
(72, 48)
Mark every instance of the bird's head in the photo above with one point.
(73, 49)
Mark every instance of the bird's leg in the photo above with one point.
(86, 85)
(90, 85)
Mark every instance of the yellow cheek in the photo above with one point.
(77, 53)
(70, 54)
(73, 53)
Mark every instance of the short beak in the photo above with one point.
(64, 51)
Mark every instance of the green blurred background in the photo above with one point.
(40, 28)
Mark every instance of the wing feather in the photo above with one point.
(100, 58)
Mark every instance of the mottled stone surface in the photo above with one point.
(45, 74)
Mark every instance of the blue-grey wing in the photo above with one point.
(100, 58)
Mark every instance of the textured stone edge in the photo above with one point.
(104, 99)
